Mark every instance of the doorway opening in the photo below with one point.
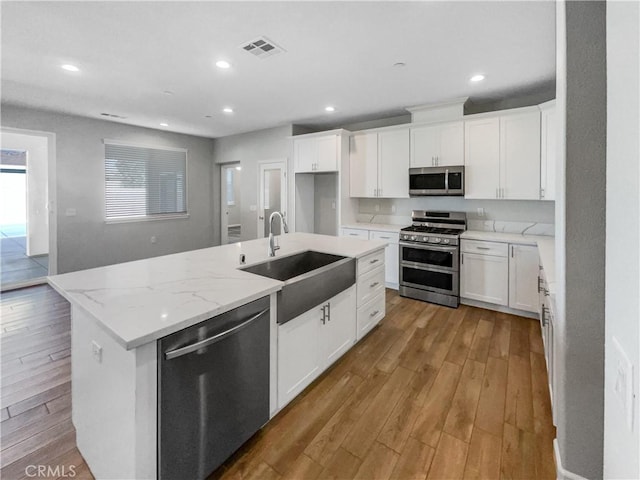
(272, 180)
(231, 218)
(25, 236)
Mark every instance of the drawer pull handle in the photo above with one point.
(373, 314)
(374, 260)
(374, 284)
(386, 238)
(353, 234)
(483, 248)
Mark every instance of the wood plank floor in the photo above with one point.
(431, 393)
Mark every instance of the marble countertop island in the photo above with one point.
(141, 301)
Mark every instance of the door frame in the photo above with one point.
(51, 200)
(263, 165)
(224, 214)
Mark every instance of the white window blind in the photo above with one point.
(144, 182)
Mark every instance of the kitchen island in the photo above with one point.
(120, 312)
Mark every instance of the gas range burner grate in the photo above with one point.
(433, 230)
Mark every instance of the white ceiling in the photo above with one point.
(337, 53)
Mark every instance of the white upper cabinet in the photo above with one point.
(502, 155)
(363, 165)
(379, 164)
(520, 155)
(482, 157)
(548, 153)
(437, 145)
(317, 153)
(393, 164)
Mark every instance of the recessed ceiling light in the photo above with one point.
(330, 109)
(477, 78)
(70, 68)
(168, 92)
(223, 64)
(207, 116)
(238, 168)
(227, 110)
(164, 124)
(399, 64)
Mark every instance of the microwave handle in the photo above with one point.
(446, 179)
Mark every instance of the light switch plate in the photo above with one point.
(623, 381)
(96, 351)
(70, 212)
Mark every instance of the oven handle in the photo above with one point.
(429, 246)
(429, 268)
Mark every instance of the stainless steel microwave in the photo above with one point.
(436, 181)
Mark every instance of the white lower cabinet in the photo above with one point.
(311, 342)
(500, 274)
(391, 256)
(370, 314)
(523, 276)
(484, 278)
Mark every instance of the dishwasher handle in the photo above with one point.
(178, 352)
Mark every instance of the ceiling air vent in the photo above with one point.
(262, 47)
(111, 115)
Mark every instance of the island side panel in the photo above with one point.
(273, 356)
(103, 398)
(146, 412)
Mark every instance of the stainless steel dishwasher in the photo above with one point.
(213, 390)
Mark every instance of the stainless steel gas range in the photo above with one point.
(430, 257)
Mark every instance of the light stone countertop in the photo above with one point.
(381, 227)
(141, 301)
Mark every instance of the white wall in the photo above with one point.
(37, 188)
(621, 443)
(85, 240)
(248, 149)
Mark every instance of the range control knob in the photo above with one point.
(436, 239)
(424, 239)
(413, 238)
(445, 240)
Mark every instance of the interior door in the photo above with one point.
(230, 212)
(272, 196)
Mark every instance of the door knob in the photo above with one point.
(261, 218)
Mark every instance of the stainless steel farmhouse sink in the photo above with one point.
(309, 279)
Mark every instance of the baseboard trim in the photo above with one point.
(561, 473)
(498, 308)
(23, 284)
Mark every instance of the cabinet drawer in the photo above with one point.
(371, 261)
(391, 237)
(370, 314)
(370, 284)
(355, 232)
(485, 248)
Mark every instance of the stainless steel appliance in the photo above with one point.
(213, 390)
(436, 181)
(430, 257)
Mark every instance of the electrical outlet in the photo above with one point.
(393, 209)
(333, 205)
(96, 351)
(377, 207)
(253, 208)
(154, 239)
(70, 212)
(623, 381)
(480, 212)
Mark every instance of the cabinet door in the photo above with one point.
(327, 153)
(548, 137)
(338, 333)
(393, 160)
(482, 158)
(391, 256)
(520, 156)
(305, 152)
(370, 314)
(425, 145)
(523, 277)
(299, 356)
(363, 165)
(484, 278)
(451, 144)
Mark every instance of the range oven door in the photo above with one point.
(420, 256)
(429, 267)
(436, 181)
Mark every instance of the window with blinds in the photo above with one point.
(143, 182)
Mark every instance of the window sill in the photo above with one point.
(150, 218)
